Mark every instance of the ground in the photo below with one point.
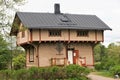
(97, 77)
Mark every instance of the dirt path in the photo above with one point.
(96, 77)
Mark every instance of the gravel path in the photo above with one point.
(96, 77)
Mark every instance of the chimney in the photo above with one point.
(57, 8)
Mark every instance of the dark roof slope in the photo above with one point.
(61, 21)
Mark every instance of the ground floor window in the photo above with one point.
(31, 54)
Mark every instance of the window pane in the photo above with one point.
(82, 33)
(31, 54)
(23, 34)
(54, 33)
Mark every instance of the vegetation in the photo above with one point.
(9, 54)
(16, 56)
(71, 72)
(4, 54)
(108, 59)
(104, 73)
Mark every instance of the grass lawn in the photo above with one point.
(104, 73)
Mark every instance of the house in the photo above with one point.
(57, 38)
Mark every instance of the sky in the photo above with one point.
(107, 10)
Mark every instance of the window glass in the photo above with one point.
(82, 33)
(54, 33)
(23, 34)
(31, 54)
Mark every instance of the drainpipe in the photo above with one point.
(38, 54)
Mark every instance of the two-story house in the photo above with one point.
(57, 38)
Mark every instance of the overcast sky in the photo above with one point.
(107, 10)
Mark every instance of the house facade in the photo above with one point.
(58, 39)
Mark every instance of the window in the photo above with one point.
(55, 33)
(31, 54)
(23, 34)
(82, 33)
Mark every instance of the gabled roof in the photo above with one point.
(57, 21)
(60, 21)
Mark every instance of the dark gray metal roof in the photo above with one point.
(61, 21)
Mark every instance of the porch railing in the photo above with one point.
(81, 61)
(59, 61)
(64, 61)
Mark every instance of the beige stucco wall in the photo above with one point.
(74, 37)
(85, 50)
(100, 35)
(35, 35)
(21, 39)
(30, 64)
(43, 35)
(48, 51)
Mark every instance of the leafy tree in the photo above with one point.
(7, 10)
(114, 53)
(99, 52)
(4, 54)
(110, 56)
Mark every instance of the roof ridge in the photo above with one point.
(55, 14)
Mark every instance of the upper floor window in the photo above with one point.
(55, 33)
(82, 33)
(23, 34)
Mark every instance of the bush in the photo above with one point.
(75, 71)
(6, 74)
(71, 72)
(19, 62)
(21, 74)
(98, 66)
(115, 70)
(34, 73)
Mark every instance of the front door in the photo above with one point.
(70, 56)
(75, 56)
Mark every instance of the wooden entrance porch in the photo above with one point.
(64, 61)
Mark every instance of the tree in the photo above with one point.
(114, 52)
(109, 56)
(7, 10)
(4, 54)
(99, 52)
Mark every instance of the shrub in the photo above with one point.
(75, 71)
(71, 72)
(98, 66)
(6, 74)
(21, 74)
(115, 70)
(19, 62)
(45, 73)
(34, 73)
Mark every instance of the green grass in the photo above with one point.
(104, 73)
